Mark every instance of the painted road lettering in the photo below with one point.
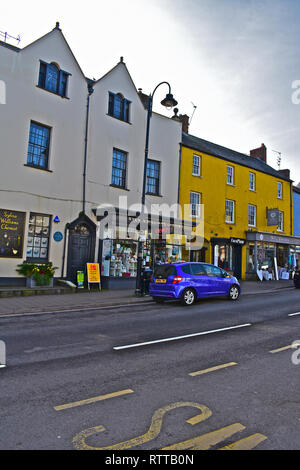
(202, 442)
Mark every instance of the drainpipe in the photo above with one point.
(90, 92)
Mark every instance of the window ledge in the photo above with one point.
(53, 92)
(118, 187)
(38, 168)
(155, 195)
(119, 119)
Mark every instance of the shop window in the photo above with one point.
(38, 237)
(38, 146)
(251, 215)
(230, 175)
(196, 165)
(119, 258)
(51, 78)
(252, 185)
(229, 211)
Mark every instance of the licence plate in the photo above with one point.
(161, 281)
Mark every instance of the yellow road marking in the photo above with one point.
(152, 433)
(206, 441)
(290, 346)
(212, 369)
(247, 443)
(93, 400)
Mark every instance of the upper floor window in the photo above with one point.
(251, 215)
(38, 146)
(279, 190)
(280, 225)
(52, 78)
(230, 175)
(153, 177)
(119, 168)
(196, 165)
(252, 185)
(118, 106)
(195, 204)
(229, 211)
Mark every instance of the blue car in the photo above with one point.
(188, 282)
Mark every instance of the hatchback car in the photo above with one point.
(188, 282)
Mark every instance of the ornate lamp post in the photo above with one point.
(168, 102)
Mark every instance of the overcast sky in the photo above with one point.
(236, 60)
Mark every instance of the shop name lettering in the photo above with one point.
(8, 222)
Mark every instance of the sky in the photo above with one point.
(231, 64)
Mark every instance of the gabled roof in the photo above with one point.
(9, 46)
(232, 156)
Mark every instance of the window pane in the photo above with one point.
(153, 177)
(38, 236)
(229, 211)
(38, 146)
(52, 78)
(119, 168)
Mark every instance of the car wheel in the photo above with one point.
(234, 292)
(188, 297)
(158, 300)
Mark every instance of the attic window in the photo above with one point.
(118, 106)
(52, 78)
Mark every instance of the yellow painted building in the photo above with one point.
(240, 195)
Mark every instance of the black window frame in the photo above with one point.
(35, 144)
(155, 178)
(61, 82)
(115, 169)
(124, 113)
(35, 235)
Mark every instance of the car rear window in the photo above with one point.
(162, 272)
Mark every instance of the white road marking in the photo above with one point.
(117, 348)
(293, 314)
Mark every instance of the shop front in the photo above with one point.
(118, 248)
(227, 254)
(276, 256)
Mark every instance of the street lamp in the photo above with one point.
(169, 102)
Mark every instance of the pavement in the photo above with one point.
(16, 302)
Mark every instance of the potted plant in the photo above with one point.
(37, 274)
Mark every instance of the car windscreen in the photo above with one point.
(164, 271)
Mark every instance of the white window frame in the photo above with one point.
(279, 190)
(252, 181)
(280, 226)
(230, 175)
(198, 165)
(251, 215)
(197, 205)
(232, 210)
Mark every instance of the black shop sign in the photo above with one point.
(12, 225)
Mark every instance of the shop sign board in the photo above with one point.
(93, 274)
(273, 217)
(12, 224)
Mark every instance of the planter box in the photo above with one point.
(30, 282)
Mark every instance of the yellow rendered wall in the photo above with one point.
(214, 190)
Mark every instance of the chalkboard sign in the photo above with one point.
(12, 225)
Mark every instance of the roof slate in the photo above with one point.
(232, 156)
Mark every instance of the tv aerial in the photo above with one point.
(278, 158)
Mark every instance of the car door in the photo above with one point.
(217, 281)
(199, 280)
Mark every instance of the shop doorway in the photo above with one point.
(81, 246)
(237, 261)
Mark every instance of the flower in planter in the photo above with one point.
(42, 273)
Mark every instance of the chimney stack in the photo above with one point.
(285, 173)
(260, 153)
(183, 118)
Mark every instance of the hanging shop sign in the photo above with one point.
(12, 224)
